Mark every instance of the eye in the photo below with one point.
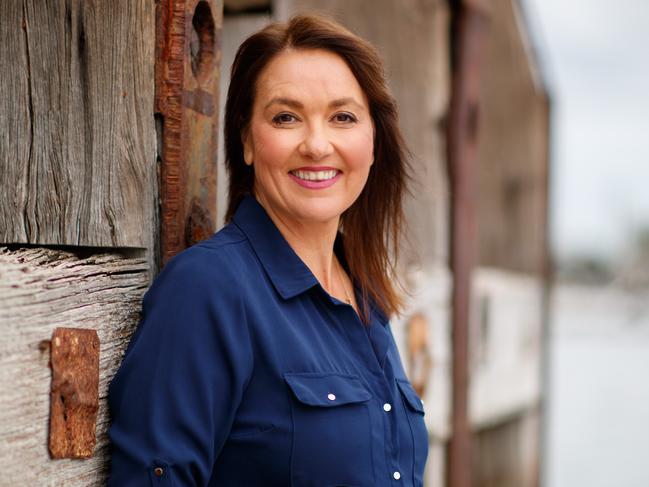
(344, 117)
(284, 118)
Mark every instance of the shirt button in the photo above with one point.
(396, 475)
(331, 397)
(387, 407)
(158, 472)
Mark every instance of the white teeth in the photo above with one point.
(315, 175)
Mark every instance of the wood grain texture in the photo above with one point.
(187, 72)
(77, 136)
(40, 290)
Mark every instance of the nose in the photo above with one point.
(316, 144)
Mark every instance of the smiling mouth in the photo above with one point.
(315, 175)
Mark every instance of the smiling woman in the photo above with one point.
(265, 356)
(343, 74)
(310, 140)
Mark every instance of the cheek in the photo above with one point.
(358, 151)
(272, 146)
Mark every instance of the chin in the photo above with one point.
(319, 212)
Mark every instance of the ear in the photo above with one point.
(248, 150)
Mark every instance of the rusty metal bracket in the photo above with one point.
(187, 71)
(74, 358)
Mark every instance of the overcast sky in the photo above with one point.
(596, 59)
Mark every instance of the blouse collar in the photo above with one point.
(288, 273)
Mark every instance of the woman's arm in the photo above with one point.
(175, 395)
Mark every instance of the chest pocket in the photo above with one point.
(331, 430)
(415, 411)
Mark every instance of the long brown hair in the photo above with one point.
(372, 225)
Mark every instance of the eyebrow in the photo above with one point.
(297, 105)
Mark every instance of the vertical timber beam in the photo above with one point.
(468, 26)
(548, 282)
(188, 56)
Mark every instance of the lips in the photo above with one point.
(315, 177)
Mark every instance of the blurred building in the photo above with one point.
(96, 192)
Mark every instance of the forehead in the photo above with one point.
(313, 73)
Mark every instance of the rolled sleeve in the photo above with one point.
(175, 395)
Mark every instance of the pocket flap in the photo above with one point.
(327, 390)
(411, 396)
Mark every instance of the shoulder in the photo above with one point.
(220, 255)
(214, 264)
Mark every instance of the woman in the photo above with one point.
(264, 356)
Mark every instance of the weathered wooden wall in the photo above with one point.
(78, 206)
(505, 345)
(187, 73)
(506, 454)
(509, 286)
(513, 149)
(77, 137)
(41, 289)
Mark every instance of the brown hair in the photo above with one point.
(372, 225)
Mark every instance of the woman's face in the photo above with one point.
(310, 138)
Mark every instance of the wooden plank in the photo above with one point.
(506, 340)
(187, 72)
(507, 454)
(469, 24)
(247, 5)
(77, 151)
(513, 150)
(40, 290)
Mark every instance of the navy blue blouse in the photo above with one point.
(245, 372)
